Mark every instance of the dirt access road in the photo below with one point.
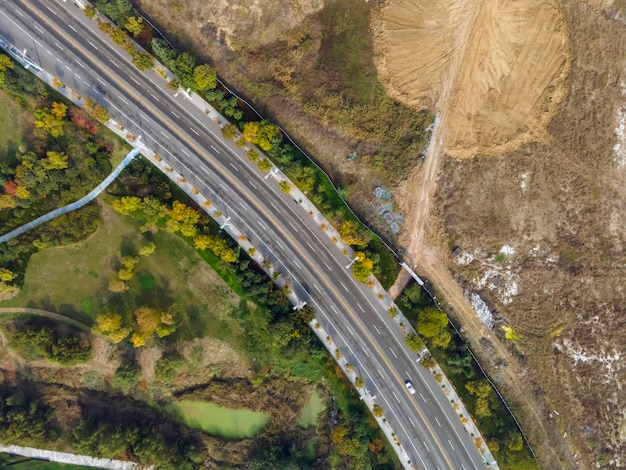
(490, 97)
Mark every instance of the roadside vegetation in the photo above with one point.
(202, 79)
(450, 351)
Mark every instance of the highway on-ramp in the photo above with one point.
(64, 42)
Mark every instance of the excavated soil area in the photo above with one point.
(509, 60)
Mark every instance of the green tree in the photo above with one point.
(433, 323)
(5, 64)
(143, 60)
(127, 374)
(414, 342)
(204, 77)
(169, 366)
(163, 52)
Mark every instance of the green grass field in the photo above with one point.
(73, 280)
(11, 116)
(216, 420)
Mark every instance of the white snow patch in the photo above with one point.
(507, 250)
(620, 131)
(482, 311)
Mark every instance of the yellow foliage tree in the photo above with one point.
(362, 267)
(47, 121)
(127, 204)
(7, 201)
(148, 249)
(147, 319)
(138, 339)
(134, 25)
(201, 242)
(58, 110)
(55, 161)
(22, 192)
(6, 275)
(352, 234)
(117, 286)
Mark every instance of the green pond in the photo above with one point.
(310, 411)
(216, 420)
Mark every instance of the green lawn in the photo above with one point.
(219, 421)
(73, 280)
(11, 120)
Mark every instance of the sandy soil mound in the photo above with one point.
(498, 65)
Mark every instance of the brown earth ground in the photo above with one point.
(536, 86)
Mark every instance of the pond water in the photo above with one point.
(219, 421)
(310, 411)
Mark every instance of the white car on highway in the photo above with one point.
(409, 387)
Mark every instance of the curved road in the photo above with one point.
(59, 37)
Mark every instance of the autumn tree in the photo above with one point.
(217, 245)
(134, 25)
(49, 122)
(117, 286)
(229, 131)
(147, 249)
(378, 411)
(110, 324)
(6, 275)
(362, 267)
(352, 234)
(127, 204)
(59, 110)
(55, 161)
(252, 155)
(264, 165)
(204, 77)
(100, 114)
(182, 218)
(262, 133)
(5, 64)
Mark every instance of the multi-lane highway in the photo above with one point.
(58, 36)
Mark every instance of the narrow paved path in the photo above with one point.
(44, 313)
(75, 205)
(74, 459)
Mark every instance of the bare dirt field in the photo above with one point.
(498, 65)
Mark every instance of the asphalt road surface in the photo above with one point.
(57, 35)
